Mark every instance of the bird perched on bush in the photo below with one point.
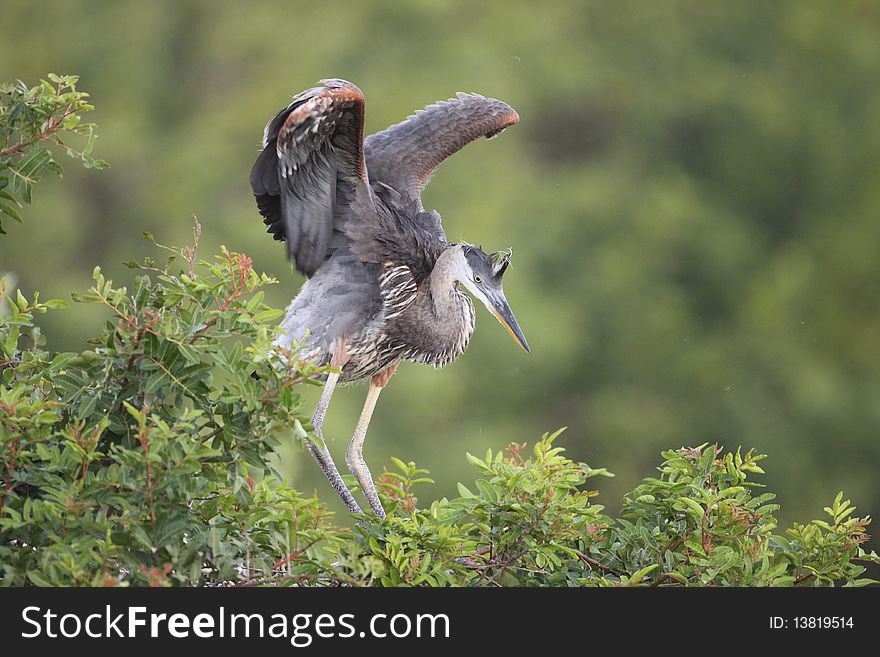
(384, 284)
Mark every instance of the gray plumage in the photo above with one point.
(352, 217)
(406, 154)
(384, 283)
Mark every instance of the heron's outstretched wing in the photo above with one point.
(312, 170)
(405, 155)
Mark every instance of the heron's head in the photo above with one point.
(481, 274)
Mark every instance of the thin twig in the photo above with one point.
(600, 566)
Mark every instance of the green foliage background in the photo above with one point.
(691, 198)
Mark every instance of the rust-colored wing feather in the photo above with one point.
(405, 155)
(312, 170)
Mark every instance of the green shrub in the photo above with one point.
(531, 523)
(146, 460)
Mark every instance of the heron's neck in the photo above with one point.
(444, 281)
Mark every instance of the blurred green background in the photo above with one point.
(691, 198)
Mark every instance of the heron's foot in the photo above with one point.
(322, 456)
(361, 472)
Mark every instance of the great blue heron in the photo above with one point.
(383, 281)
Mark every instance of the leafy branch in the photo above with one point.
(32, 120)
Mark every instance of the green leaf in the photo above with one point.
(36, 578)
(689, 506)
(464, 492)
(266, 316)
(9, 211)
(639, 574)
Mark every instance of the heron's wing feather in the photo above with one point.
(312, 170)
(398, 233)
(405, 155)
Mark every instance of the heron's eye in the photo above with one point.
(478, 279)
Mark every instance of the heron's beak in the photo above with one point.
(501, 309)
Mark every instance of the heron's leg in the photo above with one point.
(354, 458)
(322, 454)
